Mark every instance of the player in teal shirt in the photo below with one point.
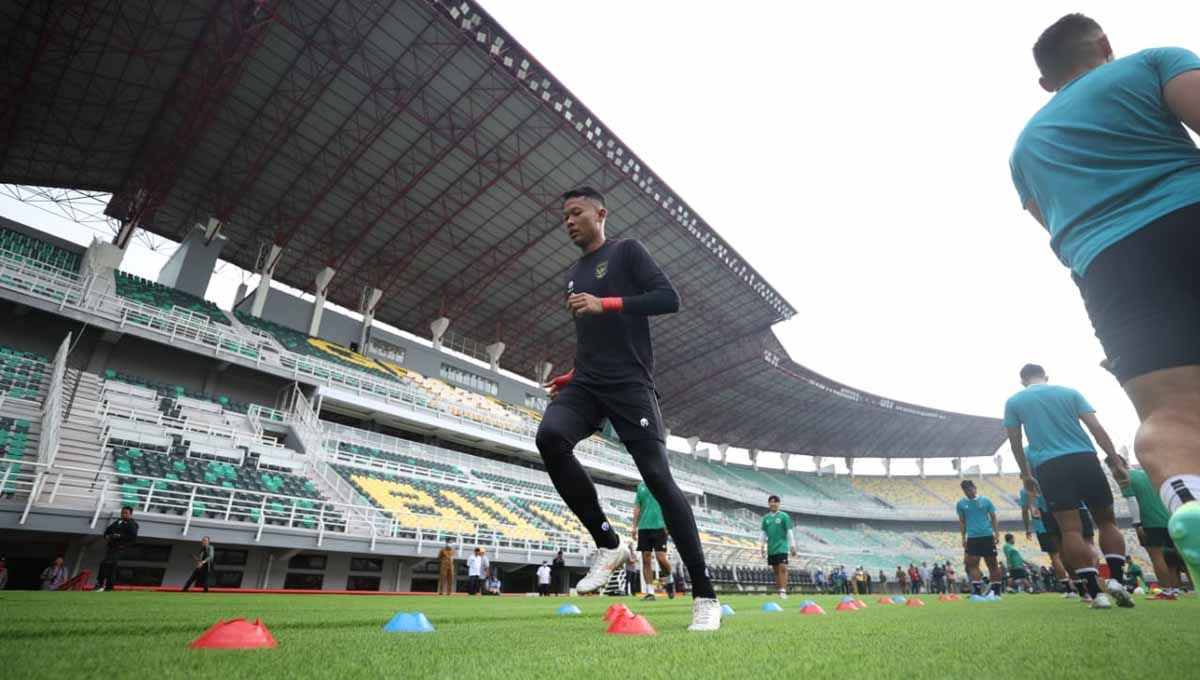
(650, 534)
(1062, 467)
(778, 542)
(1108, 168)
(980, 534)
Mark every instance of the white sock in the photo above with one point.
(1178, 490)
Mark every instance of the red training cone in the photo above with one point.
(615, 611)
(914, 602)
(846, 607)
(235, 634)
(885, 600)
(812, 609)
(859, 604)
(945, 598)
(630, 624)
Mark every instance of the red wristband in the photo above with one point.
(612, 304)
(563, 379)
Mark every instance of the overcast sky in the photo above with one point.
(857, 155)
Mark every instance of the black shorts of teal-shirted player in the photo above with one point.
(1034, 514)
(1062, 466)
(650, 534)
(611, 292)
(777, 543)
(980, 531)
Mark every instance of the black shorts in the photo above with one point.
(580, 410)
(652, 540)
(777, 558)
(981, 546)
(1073, 480)
(1156, 537)
(1017, 574)
(1085, 520)
(1048, 541)
(1143, 296)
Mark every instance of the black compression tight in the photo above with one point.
(575, 486)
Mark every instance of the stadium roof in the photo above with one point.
(414, 146)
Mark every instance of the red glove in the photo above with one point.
(556, 384)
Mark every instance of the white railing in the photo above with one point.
(52, 407)
(306, 422)
(157, 423)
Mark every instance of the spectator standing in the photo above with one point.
(882, 583)
(914, 578)
(119, 535)
(3, 573)
(543, 579)
(477, 571)
(446, 568)
(926, 576)
(204, 560)
(951, 579)
(819, 580)
(557, 568)
(631, 577)
(902, 580)
(938, 574)
(54, 575)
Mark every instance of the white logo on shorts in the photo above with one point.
(644, 423)
(604, 526)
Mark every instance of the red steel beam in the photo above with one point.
(195, 98)
(304, 82)
(389, 199)
(364, 135)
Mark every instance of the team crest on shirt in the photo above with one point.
(644, 423)
(601, 269)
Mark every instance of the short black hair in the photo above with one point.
(1032, 371)
(772, 498)
(1065, 45)
(965, 483)
(584, 192)
(127, 507)
(1008, 538)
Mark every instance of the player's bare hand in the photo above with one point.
(635, 535)
(584, 304)
(1031, 485)
(793, 552)
(964, 544)
(1119, 469)
(1028, 536)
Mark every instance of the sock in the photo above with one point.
(670, 585)
(1116, 566)
(1178, 490)
(976, 587)
(1064, 585)
(1081, 588)
(1088, 576)
(996, 588)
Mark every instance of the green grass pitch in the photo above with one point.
(146, 635)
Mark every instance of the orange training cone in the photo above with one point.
(630, 624)
(945, 598)
(812, 609)
(914, 602)
(885, 600)
(235, 634)
(615, 611)
(846, 607)
(859, 604)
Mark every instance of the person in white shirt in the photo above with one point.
(477, 570)
(543, 579)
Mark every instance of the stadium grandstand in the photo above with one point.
(402, 160)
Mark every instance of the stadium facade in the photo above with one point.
(402, 159)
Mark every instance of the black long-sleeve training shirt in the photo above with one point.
(614, 348)
(122, 533)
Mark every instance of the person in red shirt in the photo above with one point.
(914, 578)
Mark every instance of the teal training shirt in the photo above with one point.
(974, 512)
(1105, 156)
(1035, 521)
(1050, 415)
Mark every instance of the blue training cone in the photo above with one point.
(847, 599)
(899, 599)
(771, 607)
(991, 595)
(409, 622)
(726, 610)
(568, 610)
(806, 603)
(977, 598)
